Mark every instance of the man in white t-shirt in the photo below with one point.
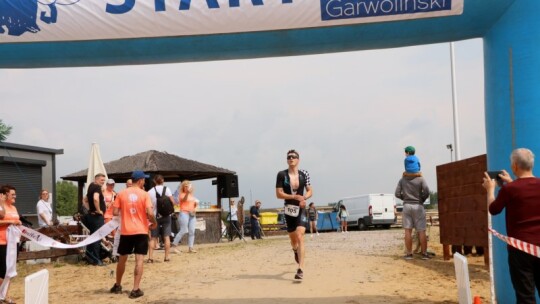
(44, 209)
(234, 228)
(163, 228)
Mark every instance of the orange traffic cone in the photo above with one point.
(477, 300)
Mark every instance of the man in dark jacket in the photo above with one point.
(94, 218)
(254, 220)
(413, 190)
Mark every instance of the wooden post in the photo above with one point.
(241, 215)
(446, 252)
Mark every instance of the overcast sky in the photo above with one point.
(348, 114)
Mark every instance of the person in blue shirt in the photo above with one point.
(412, 163)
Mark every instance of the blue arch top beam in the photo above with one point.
(477, 18)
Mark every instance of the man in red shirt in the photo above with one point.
(521, 199)
(135, 209)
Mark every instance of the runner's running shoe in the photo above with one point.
(116, 289)
(136, 293)
(299, 274)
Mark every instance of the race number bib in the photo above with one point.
(292, 210)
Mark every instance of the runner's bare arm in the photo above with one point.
(282, 195)
(309, 192)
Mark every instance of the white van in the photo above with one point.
(370, 210)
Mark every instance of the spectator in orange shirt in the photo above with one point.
(187, 220)
(135, 209)
(109, 195)
(11, 217)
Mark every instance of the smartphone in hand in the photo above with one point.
(495, 175)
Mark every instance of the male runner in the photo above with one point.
(290, 186)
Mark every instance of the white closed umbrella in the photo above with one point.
(95, 166)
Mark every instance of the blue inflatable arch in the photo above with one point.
(185, 31)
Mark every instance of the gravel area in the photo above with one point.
(342, 268)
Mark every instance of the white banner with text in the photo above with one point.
(76, 20)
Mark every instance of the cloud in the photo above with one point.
(349, 115)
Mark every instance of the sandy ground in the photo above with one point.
(356, 267)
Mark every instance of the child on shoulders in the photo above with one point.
(412, 163)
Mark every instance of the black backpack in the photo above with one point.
(163, 203)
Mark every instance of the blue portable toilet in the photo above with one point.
(327, 221)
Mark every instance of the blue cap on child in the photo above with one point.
(409, 149)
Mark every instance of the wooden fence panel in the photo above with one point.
(462, 202)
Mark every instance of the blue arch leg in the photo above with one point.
(512, 78)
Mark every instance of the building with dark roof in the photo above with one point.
(29, 169)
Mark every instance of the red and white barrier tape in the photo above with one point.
(14, 234)
(520, 245)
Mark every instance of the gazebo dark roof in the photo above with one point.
(172, 167)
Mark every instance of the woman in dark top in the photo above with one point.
(313, 217)
(342, 217)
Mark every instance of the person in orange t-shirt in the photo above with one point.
(187, 220)
(11, 217)
(135, 209)
(109, 195)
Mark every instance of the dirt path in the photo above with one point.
(358, 267)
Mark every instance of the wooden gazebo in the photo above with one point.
(172, 167)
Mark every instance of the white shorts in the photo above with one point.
(414, 216)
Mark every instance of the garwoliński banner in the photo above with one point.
(77, 20)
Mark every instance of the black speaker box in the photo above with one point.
(228, 185)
